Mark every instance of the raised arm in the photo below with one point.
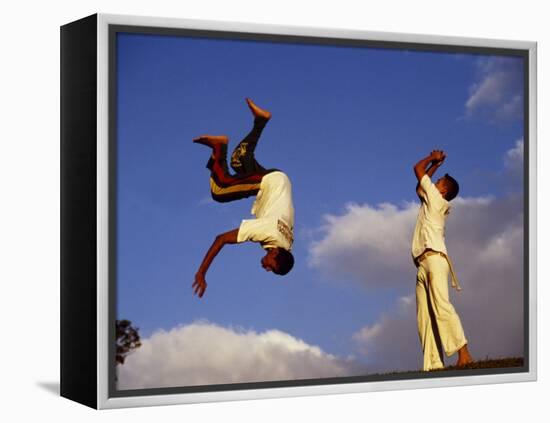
(428, 165)
(199, 285)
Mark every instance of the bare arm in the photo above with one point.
(230, 237)
(428, 165)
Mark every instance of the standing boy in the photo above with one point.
(439, 326)
(273, 207)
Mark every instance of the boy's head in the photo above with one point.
(447, 186)
(278, 261)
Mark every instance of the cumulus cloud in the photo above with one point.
(391, 344)
(484, 236)
(367, 240)
(372, 244)
(498, 91)
(513, 160)
(203, 353)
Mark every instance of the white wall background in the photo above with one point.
(29, 209)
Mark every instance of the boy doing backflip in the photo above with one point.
(439, 326)
(273, 207)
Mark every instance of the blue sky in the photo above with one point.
(348, 125)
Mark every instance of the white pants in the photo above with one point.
(439, 326)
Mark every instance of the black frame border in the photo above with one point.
(78, 211)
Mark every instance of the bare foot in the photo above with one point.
(211, 140)
(256, 111)
(464, 356)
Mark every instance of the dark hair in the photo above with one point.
(452, 187)
(285, 262)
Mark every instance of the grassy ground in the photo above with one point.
(490, 364)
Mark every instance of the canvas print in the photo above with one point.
(295, 210)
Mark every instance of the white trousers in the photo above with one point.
(439, 326)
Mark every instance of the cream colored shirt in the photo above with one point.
(430, 224)
(274, 211)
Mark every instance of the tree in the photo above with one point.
(127, 340)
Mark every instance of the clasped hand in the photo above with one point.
(438, 156)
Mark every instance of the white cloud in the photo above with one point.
(513, 159)
(371, 245)
(392, 343)
(205, 353)
(498, 92)
(367, 240)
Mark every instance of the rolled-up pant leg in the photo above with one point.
(248, 172)
(434, 307)
(243, 160)
(225, 187)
